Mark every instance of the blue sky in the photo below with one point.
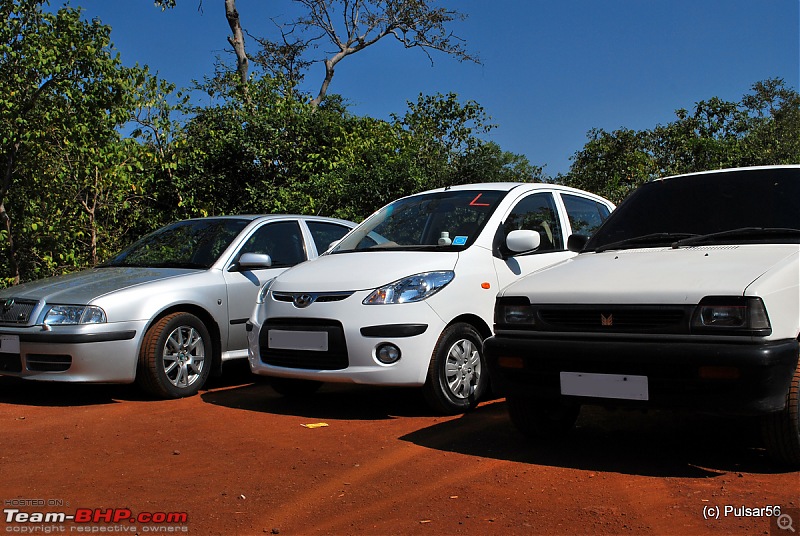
(550, 71)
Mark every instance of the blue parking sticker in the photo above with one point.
(459, 240)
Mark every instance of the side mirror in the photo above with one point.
(254, 261)
(523, 240)
(576, 242)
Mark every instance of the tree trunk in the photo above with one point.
(237, 42)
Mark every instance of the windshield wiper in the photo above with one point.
(652, 238)
(744, 232)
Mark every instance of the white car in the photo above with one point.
(164, 312)
(687, 297)
(406, 298)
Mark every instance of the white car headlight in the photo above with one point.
(63, 315)
(410, 289)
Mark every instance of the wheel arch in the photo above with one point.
(475, 321)
(207, 319)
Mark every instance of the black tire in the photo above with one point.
(292, 387)
(457, 375)
(176, 355)
(542, 418)
(781, 431)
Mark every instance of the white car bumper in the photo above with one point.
(355, 331)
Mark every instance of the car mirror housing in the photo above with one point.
(523, 240)
(254, 261)
(576, 242)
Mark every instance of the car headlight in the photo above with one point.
(262, 294)
(735, 315)
(410, 289)
(509, 312)
(64, 315)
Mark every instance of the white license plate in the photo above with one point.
(316, 341)
(604, 385)
(9, 344)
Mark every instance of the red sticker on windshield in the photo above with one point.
(474, 202)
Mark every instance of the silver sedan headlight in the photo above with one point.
(410, 289)
(65, 315)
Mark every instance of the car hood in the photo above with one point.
(360, 270)
(663, 275)
(87, 285)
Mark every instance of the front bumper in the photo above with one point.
(101, 353)
(354, 332)
(717, 376)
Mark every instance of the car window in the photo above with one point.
(537, 212)
(324, 233)
(185, 244)
(449, 219)
(282, 241)
(585, 215)
(685, 206)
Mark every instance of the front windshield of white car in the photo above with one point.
(185, 244)
(757, 205)
(448, 220)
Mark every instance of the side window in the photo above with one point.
(537, 212)
(324, 233)
(281, 240)
(585, 215)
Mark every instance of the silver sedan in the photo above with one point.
(164, 312)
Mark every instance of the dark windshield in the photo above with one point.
(704, 208)
(443, 220)
(186, 244)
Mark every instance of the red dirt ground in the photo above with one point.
(237, 461)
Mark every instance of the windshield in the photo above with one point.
(185, 244)
(449, 220)
(746, 206)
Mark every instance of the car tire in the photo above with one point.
(175, 359)
(457, 373)
(542, 418)
(293, 387)
(781, 430)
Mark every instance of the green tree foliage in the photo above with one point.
(280, 153)
(762, 129)
(68, 178)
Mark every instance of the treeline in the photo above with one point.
(95, 154)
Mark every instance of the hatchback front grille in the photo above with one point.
(307, 298)
(616, 318)
(334, 358)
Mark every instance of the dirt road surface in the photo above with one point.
(237, 460)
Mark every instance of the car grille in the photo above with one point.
(616, 318)
(10, 363)
(307, 298)
(48, 362)
(15, 312)
(335, 358)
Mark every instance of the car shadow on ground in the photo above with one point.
(62, 394)
(57, 394)
(654, 443)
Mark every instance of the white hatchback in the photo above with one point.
(406, 298)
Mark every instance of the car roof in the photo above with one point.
(728, 170)
(254, 217)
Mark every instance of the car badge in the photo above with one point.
(8, 305)
(303, 300)
(606, 320)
